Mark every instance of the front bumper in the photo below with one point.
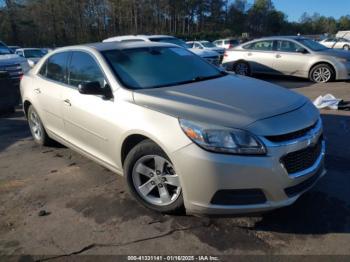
(343, 71)
(203, 174)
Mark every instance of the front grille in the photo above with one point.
(299, 188)
(15, 72)
(239, 197)
(291, 136)
(300, 160)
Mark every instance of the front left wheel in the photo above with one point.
(152, 179)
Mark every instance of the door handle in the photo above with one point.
(67, 102)
(37, 90)
(250, 54)
(278, 56)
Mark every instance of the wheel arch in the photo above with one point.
(323, 62)
(26, 105)
(134, 139)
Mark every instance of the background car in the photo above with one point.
(226, 43)
(13, 48)
(8, 94)
(211, 56)
(206, 45)
(335, 42)
(14, 65)
(293, 55)
(33, 55)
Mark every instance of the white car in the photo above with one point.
(33, 55)
(336, 42)
(209, 55)
(206, 45)
(226, 43)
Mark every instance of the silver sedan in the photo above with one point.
(294, 55)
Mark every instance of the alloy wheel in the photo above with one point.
(322, 75)
(155, 180)
(35, 125)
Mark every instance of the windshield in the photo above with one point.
(313, 45)
(33, 53)
(207, 44)
(151, 67)
(4, 50)
(170, 40)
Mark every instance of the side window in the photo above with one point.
(83, 69)
(43, 70)
(57, 67)
(218, 43)
(287, 46)
(190, 45)
(196, 45)
(261, 45)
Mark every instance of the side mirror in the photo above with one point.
(94, 88)
(302, 50)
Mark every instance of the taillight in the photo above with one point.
(225, 54)
(230, 46)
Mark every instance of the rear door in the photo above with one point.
(260, 56)
(52, 78)
(289, 60)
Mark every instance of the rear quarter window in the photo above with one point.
(56, 68)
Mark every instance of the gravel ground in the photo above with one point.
(90, 212)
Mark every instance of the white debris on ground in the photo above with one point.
(327, 101)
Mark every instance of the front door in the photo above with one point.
(86, 116)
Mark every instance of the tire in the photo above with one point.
(37, 128)
(241, 68)
(322, 73)
(346, 47)
(146, 179)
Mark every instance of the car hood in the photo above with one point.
(230, 101)
(336, 53)
(12, 58)
(204, 53)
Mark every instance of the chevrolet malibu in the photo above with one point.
(183, 133)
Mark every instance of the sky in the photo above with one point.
(295, 8)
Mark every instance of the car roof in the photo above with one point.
(105, 46)
(29, 48)
(292, 37)
(130, 37)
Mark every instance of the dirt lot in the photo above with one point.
(90, 211)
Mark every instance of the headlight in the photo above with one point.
(31, 63)
(222, 140)
(25, 66)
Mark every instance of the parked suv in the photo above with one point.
(184, 134)
(12, 64)
(211, 56)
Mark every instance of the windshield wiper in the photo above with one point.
(202, 78)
